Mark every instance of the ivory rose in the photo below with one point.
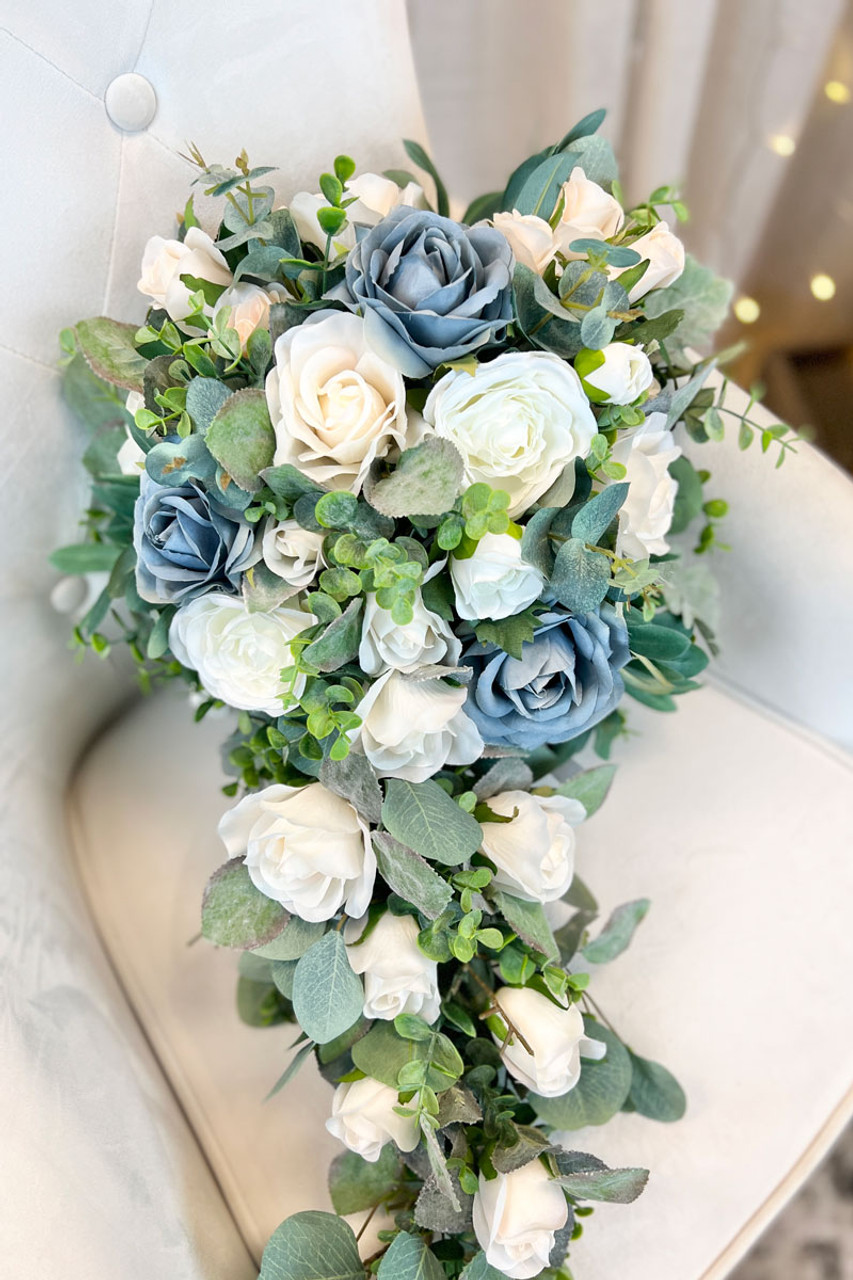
(495, 581)
(165, 261)
(398, 977)
(375, 197)
(412, 728)
(293, 553)
(516, 1217)
(363, 1118)
(535, 852)
(617, 374)
(589, 213)
(665, 254)
(530, 238)
(556, 1038)
(646, 514)
(427, 639)
(249, 306)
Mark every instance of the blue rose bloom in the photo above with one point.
(186, 542)
(566, 681)
(429, 289)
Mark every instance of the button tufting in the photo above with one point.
(131, 102)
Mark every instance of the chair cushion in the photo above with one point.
(739, 830)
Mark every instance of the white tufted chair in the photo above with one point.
(134, 1140)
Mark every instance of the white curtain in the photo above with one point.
(696, 91)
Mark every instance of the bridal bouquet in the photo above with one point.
(398, 490)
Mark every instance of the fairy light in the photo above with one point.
(747, 310)
(782, 143)
(837, 91)
(822, 286)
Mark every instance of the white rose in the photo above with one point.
(398, 977)
(625, 373)
(334, 404)
(305, 847)
(427, 639)
(555, 1036)
(535, 852)
(530, 238)
(412, 728)
(646, 514)
(238, 655)
(495, 581)
(375, 196)
(363, 1118)
(665, 254)
(293, 553)
(250, 306)
(130, 457)
(516, 1217)
(589, 213)
(165, 261)
(517, 422)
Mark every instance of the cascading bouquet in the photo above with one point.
(398, 490)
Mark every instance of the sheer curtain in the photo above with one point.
(704, 93)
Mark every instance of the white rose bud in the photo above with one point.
(249, 306)
(516, 1217)
(412, 728)
(665, 254)
(535, 852)
(555, 1036)
(617, 374)
(335, 405)
(363, 1118)
(238, 655)
(518, 421)
(398, 977)
(646, 514)
(375, 197)
(305, 847)
(427, 639)
(293, 553)
(165, 261)
(530, 238)
(130, 457)
(495, 581)
(589, 213)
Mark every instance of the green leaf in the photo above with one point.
(241, 438)
(509, 633)
(660, 644)
(418, 156)
(290, 1070)
(158, 640)
(542, 318)
(410, 1259)
(539, 194)
(205, 397)
(108, 348)
(425, 818)
(410, 876)
(704, 298)
(425, 481)
(594, 517)
(264, 590)
(529, 1144)
(589, 1178)
(97, 404)
(590, 788)
(339, 642)
(597, 327)
(485, 206)
(580, 578)
(293, 941)
(595, 156)
(327, 995)
(590, 124)
(687, 393)
(688, 499)
(504, 775)
(384, 1054)
(175, 462)
(616, 935)
(312, 1246)
(356, 1184)
(528, 920)
(236, 914)
(85, 557)
(600, 1092)
(655, 1092)
(354, 779)
(479, 1269)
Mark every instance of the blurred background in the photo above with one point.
(748, 105)
(745, 103)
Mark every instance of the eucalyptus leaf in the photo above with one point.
(236, 914)
(597, 328)
(356, 1184)
(409, 1258)
(528, 920)
(205, 397)
(538, 195)
(425, 481)
(241, 438)
(479, 1269)
(293, 941)
(410, 876)
(655, 1092)
(616, 935)
(504, 775)
(580, 578)
(422, 816)
(594, 517)
(590, 788)
(588, 1178)
(312, 1246)
(339, 642)
(264, 590)
(174, 462)
(327, 995)
(354, 779)
(109, 350)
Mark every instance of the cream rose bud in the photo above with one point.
(665, 254)
(517, 421)
(398, 977)
(249, 306)
(495, 581)
(589, 213)
(334, 405)
(165, 261)
(385, 644)
(530, 238)
(375, 197)
(363, 1118)
(555, 1036)
(535, 852)
(293, 553)
(412, 728)
(646, 514)
(516, 1218)
(305, 847)
(617, 374)
(130, 457)
(238, 655)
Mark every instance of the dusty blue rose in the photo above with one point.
(429, 288)
(186, 543)
(566, 681)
